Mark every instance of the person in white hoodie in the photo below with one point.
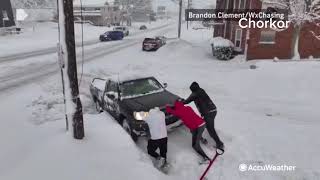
(156, 121)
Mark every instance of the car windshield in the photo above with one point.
(119, 28)
(140, 87)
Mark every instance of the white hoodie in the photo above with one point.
(156, 121)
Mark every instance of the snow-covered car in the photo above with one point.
(129, 100)
(124, 29)
(143, 27)
(151, 44)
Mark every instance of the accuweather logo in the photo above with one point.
(266, 167)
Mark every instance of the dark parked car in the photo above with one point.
(143, 27)
(151, 44)
(129, 101)
(111, 35)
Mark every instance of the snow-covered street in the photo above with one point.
(265, 116)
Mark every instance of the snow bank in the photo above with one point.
(107, 152)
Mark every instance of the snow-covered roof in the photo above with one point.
(92, 2)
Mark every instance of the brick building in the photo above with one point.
(257, 43)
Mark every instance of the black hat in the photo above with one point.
(194, 86)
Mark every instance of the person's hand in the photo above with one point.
(181, 99)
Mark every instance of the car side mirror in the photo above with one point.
(165, 85)
(111, 96)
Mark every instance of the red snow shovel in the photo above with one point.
(218, 153)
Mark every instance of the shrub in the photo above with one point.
(222, 48)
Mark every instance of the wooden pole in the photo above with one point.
(180, 11)
(67, 43)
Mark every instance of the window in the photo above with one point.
(267, 37)
(112, 86)
(231, 32)
(236, 4)
(242, 4)
(238, 37)
(227, 4)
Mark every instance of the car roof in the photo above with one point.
(128, 77)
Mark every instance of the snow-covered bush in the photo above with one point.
(222, 48)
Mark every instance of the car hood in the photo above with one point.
(145, 103)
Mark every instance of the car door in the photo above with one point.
(112, 96)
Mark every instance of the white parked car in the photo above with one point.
(124, 29)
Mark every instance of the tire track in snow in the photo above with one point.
(43, 71)
(51, 50)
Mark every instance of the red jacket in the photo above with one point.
(186, 114)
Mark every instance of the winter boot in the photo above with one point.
(161, 163)
(220, 146)
(204, 160)
(204, 141)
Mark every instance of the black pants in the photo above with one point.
(153, 145)
(209, 118)
(196, 137)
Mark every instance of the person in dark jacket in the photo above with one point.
(207, 109)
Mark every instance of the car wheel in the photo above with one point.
(98, 107)
(126, 126)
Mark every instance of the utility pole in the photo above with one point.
(188, 7)
(69, 66)
(180, 11)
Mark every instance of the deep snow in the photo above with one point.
(266, 115)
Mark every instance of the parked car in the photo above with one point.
(130, 99)
(124, 29)
(111, 35)
(151, 44)
(143, 27)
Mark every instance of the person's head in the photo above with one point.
(178, 104)
(194, 86)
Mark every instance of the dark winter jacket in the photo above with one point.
(201, 99)
(187, 115)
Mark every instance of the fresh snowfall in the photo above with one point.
(267, 115)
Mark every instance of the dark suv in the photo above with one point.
(111, 35)
(129, 101)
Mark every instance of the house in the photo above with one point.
(6, 14)
(257, 43)
(97, 12)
